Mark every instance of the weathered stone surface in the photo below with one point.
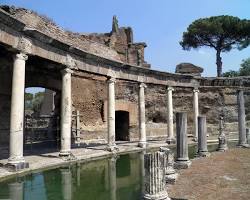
(188, 68)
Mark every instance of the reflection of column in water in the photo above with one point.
(66, 183)
(112, 178)
(142, 170)
(78, 171)
(16, 191)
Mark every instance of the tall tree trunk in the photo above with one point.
(218, 63)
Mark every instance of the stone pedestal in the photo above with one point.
(142, 119)
(66, 113)
(202, 137)
(170, 173)
(16, 160)
(111, 115)
(247, 135)
(66, 183)
(222, 137)
(170, 139)
(182, 160)
(241, 119)
(196, 112)
(155, 186)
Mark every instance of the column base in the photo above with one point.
(112, 148)
(243, 145)
(182, 164)
(64, 153)
(171, 140)
(171, 178)
(159, 196)
(17, 166)
(222, 148)
(142, 145)
(202, 154)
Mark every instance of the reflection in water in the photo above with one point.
(112, 178)
(66, 183)
(16, 191)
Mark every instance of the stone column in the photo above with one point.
(66, 183)
(182, 160)
(111, 115)
(142, 117)
(202, 137)
(171, 175)
(16, 191)
(112, 178)
(16, 158)
(170, 139)
(78, 132)
(241, 118)
(196, 112)
(66, 113)
(155, 186)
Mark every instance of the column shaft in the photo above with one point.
(241, 118)
(170, 138)
(17, 110)
(66, 113)
(142, 117)
(111, 114)
(196, 112)
(202, 137)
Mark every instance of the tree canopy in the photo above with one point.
(243, 71)
(222, 33)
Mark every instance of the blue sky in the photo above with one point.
(159, 23)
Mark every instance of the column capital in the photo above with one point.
(196, 90)
(170, 88)
(21, 56)
(111, 80)
(66, 71)
(142, 85)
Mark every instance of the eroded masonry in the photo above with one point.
(103, 89)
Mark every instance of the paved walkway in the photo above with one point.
(222, 176)
(41, 160)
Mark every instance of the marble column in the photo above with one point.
(66, 113)
(182, 160)
(16, 159)
(112, 178)
(241, 118)
(155, 186)
(170, 139)
(196, 112)
(202, 137)
(111, 115)
(78, 132)
(66, 183)
(16, 191)
(142, 118)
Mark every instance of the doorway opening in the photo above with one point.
(122, 126)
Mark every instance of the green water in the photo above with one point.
(107, 179)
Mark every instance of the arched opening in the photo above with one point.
(41, 122)
(122, 126)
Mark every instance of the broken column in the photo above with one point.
(66, 113)
(196, 112)
(170, 139)
(171, 175)
(241, 118)
(202, 137)
(155, 186)
(182, 160)
(222, 137)
(16, 159)
(142, 118)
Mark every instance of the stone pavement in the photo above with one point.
(41, 160)
(224, 175)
